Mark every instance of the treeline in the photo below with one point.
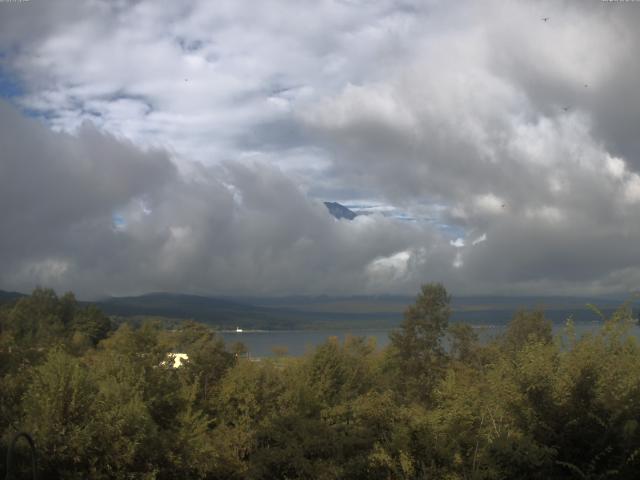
(103, 402)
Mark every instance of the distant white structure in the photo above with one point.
(238, 330)
(176, 360)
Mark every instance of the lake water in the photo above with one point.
(298, 342)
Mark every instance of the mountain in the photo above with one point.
(232, 312)
(340, 211)
(8, 297)
(221, 312)
(326, 311)
(356, 311)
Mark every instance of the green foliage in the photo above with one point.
(417, 354)
(338, 372)
(208, 359)
(527, 327)
(42, 320)
(106, 404)
(58, 411)
(464, 344)
(90, 321)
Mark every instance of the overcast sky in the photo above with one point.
(188, 146)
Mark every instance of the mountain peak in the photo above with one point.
(340, 211)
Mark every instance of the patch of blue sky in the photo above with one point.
(44, 115)
(405, 217)
(10, 86)
(452, 231)
(12, 90)
(118, 222)
(367, 208)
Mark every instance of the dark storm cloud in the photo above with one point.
(49, 180)
(231, 228)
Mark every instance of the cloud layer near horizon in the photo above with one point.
(187, 147)
(99, 215)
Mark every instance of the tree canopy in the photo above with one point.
(101, 401)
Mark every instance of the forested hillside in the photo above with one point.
(321, 312)
(103, 402)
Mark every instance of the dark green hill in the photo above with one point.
(323, 311)
(219, 312)
(8, 297)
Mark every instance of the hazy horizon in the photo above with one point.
(248, 297)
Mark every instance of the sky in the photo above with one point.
(189, 146)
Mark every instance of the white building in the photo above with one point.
(176, 360)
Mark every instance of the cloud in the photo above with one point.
(94, 213)
(392, 268)
(189, 146)
(458, 242)
(475, 120)
(480, 239)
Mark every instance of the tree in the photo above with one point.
(91, 322)
(38, 319)
(58, 411)
(208, 359)
(527, 327)
(340, 372)
(464, 343)
(416, 348)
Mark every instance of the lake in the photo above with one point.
(261, 343)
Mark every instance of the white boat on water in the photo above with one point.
(238, 330)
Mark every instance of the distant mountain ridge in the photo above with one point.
(211, 310)
(325, 311)
(9, 296)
